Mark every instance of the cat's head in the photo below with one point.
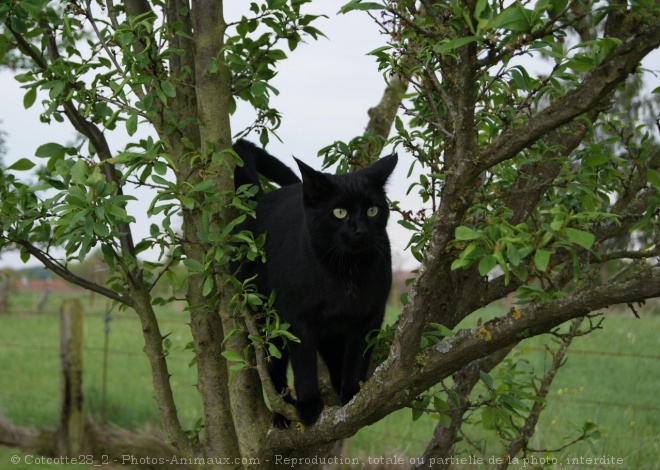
(347, 214)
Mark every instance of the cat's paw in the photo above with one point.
(348, 393)
(309, 410)
(280, 421)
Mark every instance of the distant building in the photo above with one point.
(40, 285)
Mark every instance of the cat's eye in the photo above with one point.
(340, 212)
(372, 211)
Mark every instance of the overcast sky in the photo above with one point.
(326, 88)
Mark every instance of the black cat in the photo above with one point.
(329, 263)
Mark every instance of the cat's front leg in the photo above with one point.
(309, 403)
(356, 364)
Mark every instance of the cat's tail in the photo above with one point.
(257, 161)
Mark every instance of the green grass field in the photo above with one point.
(611, 378)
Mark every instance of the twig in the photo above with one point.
(276, 402)
(521, 441)
(90, 17)
(112, 14)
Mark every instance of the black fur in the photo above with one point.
(331, 276)
(257, 160)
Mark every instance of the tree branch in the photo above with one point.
(395, 382)
(598, 83)
(67, 275)
(104, 44)
(89, 130)
(160, 375)
(277, 404)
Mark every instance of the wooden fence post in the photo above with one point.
(4, 294)
(72, 419)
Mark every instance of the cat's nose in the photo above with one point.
(361, 231)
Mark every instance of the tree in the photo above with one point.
(521, 195)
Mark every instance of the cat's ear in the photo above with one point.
(381, 169)
(316, 184)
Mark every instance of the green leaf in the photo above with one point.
(25, 255)
(258, 89)
(188, 202)
(512, 402)
(465, 233)
(541, 259)
(193, 265)
(34, 7)
(407, 225)
(461, 263)
(253, 300)
(486, 379)
(654, 177)
(160, 167)
(232, 356)
(22, 165)
(512, 19)
(580, 237)
(416, 414)
(208, 286)
(168, 88)
(480, 7)
(513, 255)
(359, 5)
(79, 172)
(20, 27)
(380, 51)
(454, 44)
(273, 351)
(213, 67)
(50, 150)
(131, 124)
(205, 185)
(488, 418)
(486, 264)
(596, 159)
(29, 98)
(56, 89)
(101, 230)
(443, 330)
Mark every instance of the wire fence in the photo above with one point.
(29, 352)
